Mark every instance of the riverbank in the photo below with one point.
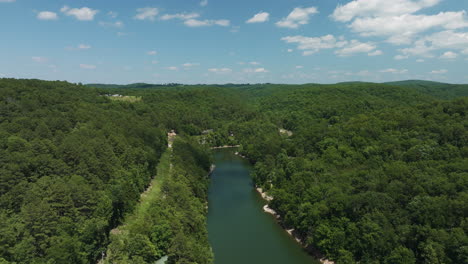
(291, 231)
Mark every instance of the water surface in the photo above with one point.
(238, 229)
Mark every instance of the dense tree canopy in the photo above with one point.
(368, 173)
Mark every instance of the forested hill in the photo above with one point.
(365, 172)
(436, 89)
(72, 164)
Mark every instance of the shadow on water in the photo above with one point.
(238, 229)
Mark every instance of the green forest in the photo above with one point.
(364, 172)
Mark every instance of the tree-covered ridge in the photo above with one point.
(383, 186)
(72, 163)
(171, 220)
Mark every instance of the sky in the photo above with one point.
(242, 41)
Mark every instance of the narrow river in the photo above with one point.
(238, 229)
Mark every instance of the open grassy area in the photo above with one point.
(130, 99)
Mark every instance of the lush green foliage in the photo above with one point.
(372, 173)
(368, 175)
(170, 219)
(72, 163)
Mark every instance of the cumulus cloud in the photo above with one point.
(83, 14)
(375, 53)
(354, 47)
(116, 24)
(311, 45)
(181, 16)
(79, 47)
(390, 19)
(259, 18)
(112, 14)
(299, 16)
(87, 66)
(257, 70)
(147, 13)
(47, 15)
(84, 47)
(152, 52)
(172, 68)
(394, 71)
(443, 71)
(204, 3)
(364, 8)
(400, 57)
(207, 23)
(220, 70)
(448, 39)
(449, 55)
(40, 59)
(396, 28)
(190, 64)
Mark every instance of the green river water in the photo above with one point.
(238, 229)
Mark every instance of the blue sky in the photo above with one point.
(220, 41)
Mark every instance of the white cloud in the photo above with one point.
(112, 14)
(204, 3)
(394, 71)
(443, 71)
(449, 55)
(220, 70)
(354, 47)
(290, 50)
(190, 64)
(181, 16)
(364, 8)
(83, 14)
(448, 39)
(259, 18)
(375, 53)
(363, 73)
(257, 70)
(254, 63)
(172, 68)
(40, 59)
(311, 45)
(47, 15)
(84, 47)
(152, 52)
(396, 20)
(397, 29)
(147, 13)
(116, 24)
(299, 67)
(7, 1)
(87, 66)
(400, 57)
(79, 47)
(299, 16)
(419, 60)
(206, 23)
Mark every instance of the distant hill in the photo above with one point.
(131, 86)
(436, 89)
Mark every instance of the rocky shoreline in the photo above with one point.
(291, 232)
